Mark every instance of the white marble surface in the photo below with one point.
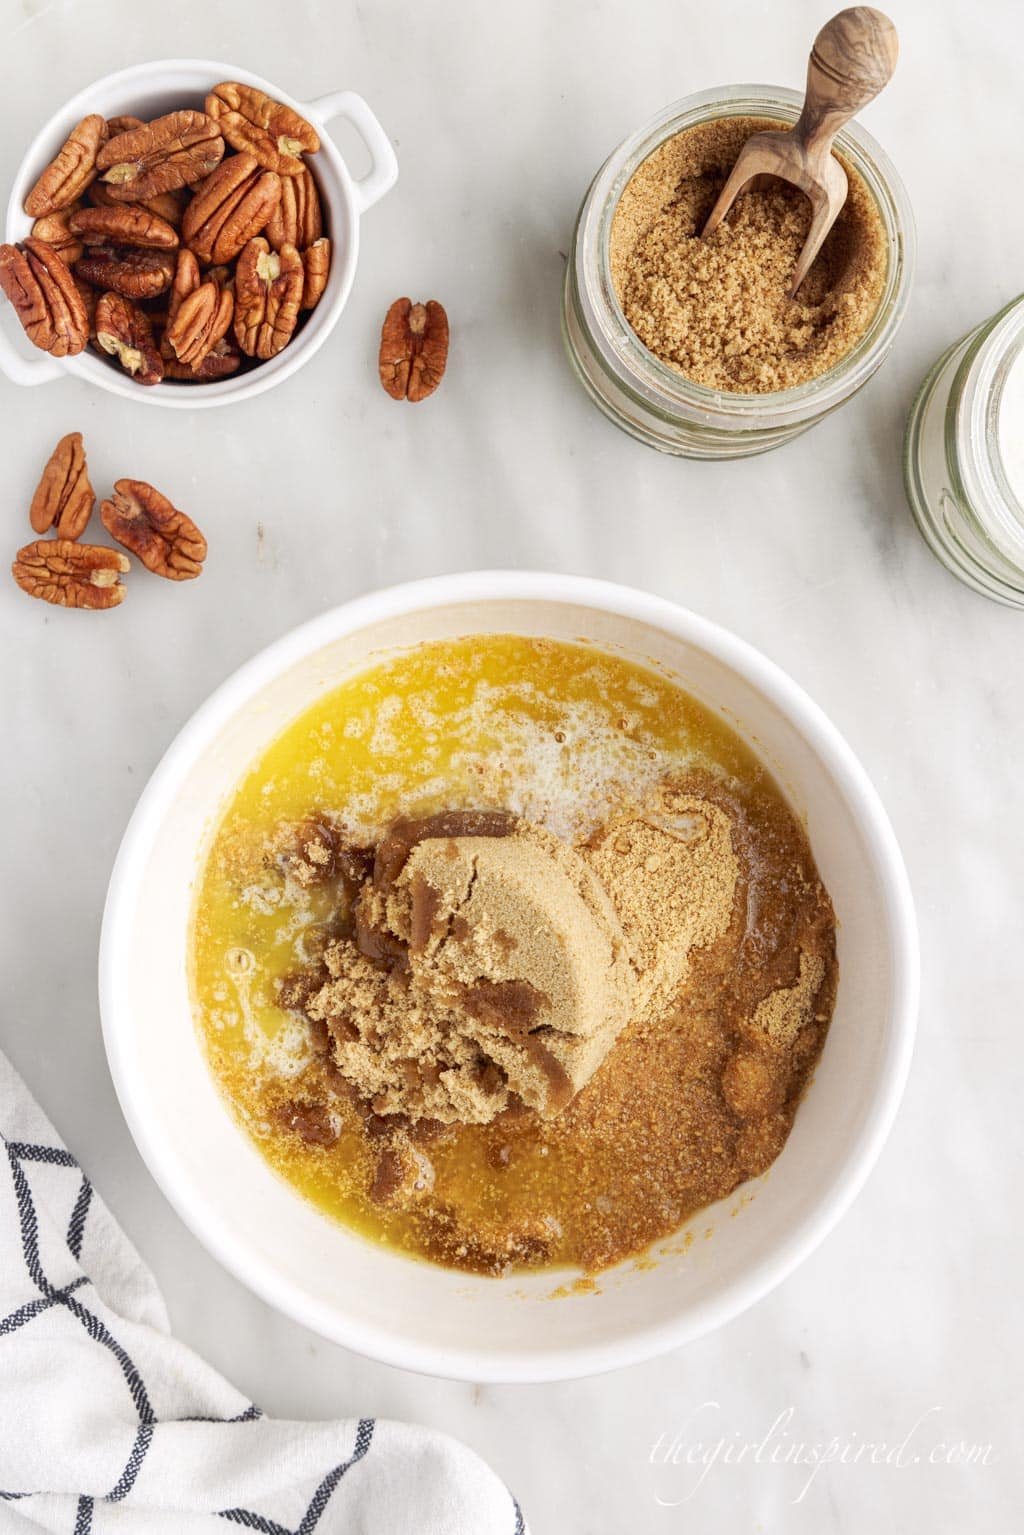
(311, 494)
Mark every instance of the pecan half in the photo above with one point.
(117, 125)
(298, 219)
(174, 151)
(223, 276)
(221, 361)
(268, 292)
(39, 284)
(267, 129)
(53, 230)
(70, 172)
(164, 539)
(87, 293)
(64, 498)
(124, 224)
(186, 280)
(69, 574)
(316, 264)
(138, 274)
(231, 206)
(125, 332)
(169, 206)
(201, 320)
(413, 349)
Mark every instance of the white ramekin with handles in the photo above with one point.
(165, 85)
(414, 1314)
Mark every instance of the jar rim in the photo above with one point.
(978, 392)
(661, 388)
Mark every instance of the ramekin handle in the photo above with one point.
(383, 172)
(40, 369)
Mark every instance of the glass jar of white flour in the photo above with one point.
(964, 457)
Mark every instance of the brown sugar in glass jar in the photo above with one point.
(693, 346)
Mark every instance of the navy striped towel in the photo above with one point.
(108, 1424)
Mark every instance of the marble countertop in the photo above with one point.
(905, 1326)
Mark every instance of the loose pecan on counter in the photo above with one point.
(67, 176)
(164, 539)
(258, 125)
(268, 293)
(64, 498)
(138, 274)
(413, 349)
(124, 224)
(124, 330)
(232, 205)
(40, 285)
(174, 151)
(71, 575)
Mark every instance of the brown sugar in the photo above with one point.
(718, 310)
(671, 873)
(484, 959)
(681, 968)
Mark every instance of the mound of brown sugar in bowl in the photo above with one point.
(713, 897)
(489, 960)
(717, 309)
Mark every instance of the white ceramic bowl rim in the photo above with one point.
(345, 199)
(824, 739)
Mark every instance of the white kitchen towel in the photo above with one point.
(107, 1423)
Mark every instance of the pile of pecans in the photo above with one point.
(70, 574)
(178, 260)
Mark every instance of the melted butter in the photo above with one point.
(561, 733)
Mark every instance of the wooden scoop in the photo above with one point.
(853, 56)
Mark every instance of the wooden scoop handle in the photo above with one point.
(853, 56)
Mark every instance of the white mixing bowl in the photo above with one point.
(165, 85)
(406, 1312)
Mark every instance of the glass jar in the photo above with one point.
(961, 495)
(658, 404)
